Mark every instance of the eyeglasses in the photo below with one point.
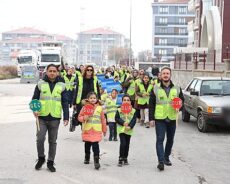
(89, 70)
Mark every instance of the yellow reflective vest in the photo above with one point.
(144, 100)
(50, 102)
(111, 109)
(94, 121)
(80, 88)
(164, 108)
(126, 118)
(69, 82)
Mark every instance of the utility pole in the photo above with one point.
(130, 34)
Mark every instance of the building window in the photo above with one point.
(163, 20)
(162, 41)
(181, 20)
(182, 10)
(182, 31)
(162, 52)
(164, 9)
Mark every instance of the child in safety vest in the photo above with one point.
(125, 125)
(143, 92)
(93, 126)
(110, 110)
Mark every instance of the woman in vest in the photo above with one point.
(92, 128)
(86, 83)
(125, 125)
(143, 91)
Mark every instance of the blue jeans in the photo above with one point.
(163, 127)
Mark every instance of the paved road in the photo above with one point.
(197, 158)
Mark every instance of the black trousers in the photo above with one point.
(124, 145)
(112, 130)
(95, 146)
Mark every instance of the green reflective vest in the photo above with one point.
(164, 108)
(94, 121)
(131, 89)
(63, 73)
(69, 82)
(144, 100)
(104, 96)
(128, 118)
(111, 108)
(156, 82)
(80, 88)
(50, 102)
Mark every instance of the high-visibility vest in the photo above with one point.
(104, 96)
(116, 74)
(69, 82)
(78, 73)
(156, 82)
(80, 88)
(63, 73)
(138, 81)
(127, 118)
(94, 121)
(131, 89)
(111, 108)
(124, 75)
(144, 100)
(164, 108)
(50, 102)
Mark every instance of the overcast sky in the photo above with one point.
(65, 16)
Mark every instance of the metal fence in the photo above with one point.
(200, 61)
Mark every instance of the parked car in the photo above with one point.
(208, 100)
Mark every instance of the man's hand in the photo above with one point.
(36, 114)
(104, 133)
(65, 122)
(152, 123)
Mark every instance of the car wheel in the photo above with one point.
(201, 123)
(185, 115)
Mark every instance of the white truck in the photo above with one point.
(51, 53)
(27, 58)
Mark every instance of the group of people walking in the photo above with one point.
(67, 87)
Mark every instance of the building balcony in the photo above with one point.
(171, 44)
(172, 34)
(170, 23)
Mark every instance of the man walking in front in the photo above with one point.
(53, 97)
(162, 114)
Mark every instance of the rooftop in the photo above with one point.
(99, 31)
(26, 30)
(28, 40)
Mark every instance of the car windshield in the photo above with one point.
(25, 59)
(50, 58)
(215, 87)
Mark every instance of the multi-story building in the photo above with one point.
(170, 21)
(30, 38)
(211, 26)
(93, 45)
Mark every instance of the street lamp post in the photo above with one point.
(130, 34)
